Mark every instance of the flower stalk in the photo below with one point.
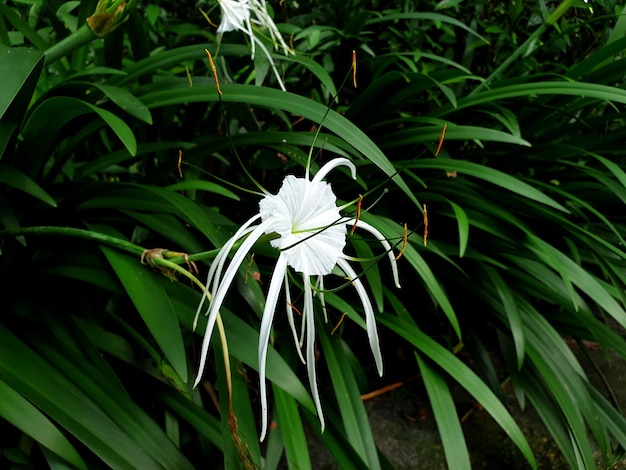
(108, 15)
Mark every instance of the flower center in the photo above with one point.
(305, 214)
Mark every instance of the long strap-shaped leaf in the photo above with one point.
(40, 382)
(351, 407)
(180, 92)
(23, 415)
(446, 417)
(465, 377)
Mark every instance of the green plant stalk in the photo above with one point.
(135, 250)
(116, 242)
(553, 18)
(559, 11)
(82, 36)
(220, 325)
(76, 232)
(85, 34)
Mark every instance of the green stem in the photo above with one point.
(213, 253)
(78, 233)
(138, 251)
(84, 35)
(117, 242)
(220, 324)
(559, 11)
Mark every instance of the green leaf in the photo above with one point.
(490, 175)
(320, 72)
(239, 434)
(22, 26)
(425, 135)
(292, 431)
(118, 126)
(126, 101)
(435, 17)
(562, 374)
(15, 178)
(511, 311)
(23, 415)
(465, 377)
(8, 134)
(532, 89)
(609, 416)
(202, 421)
(76, 356)
(201, 185)
(243, 341)
(448, 423)
(46, 124)
(370, 268)
(41, 383)
(580, 277)
(298, 105)
(8, 219)
(463, 226)
(336, 442)
(20, 68)
(145, 288)
(390, 230)
(351, 407)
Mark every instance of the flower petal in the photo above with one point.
(307, 219)
(320, 293)
(263, 19)
(264, 334)
(331, 165)
(218, 298)
(383, 241)
(309, 315)
(270, 59)
(290, 320)
(370, 319)
(235, 15)
(215, 270)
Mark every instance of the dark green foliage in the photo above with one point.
(525, 200)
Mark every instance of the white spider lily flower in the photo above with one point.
(235, 15)
(240, 15)
(311, 238)
(264, 20)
